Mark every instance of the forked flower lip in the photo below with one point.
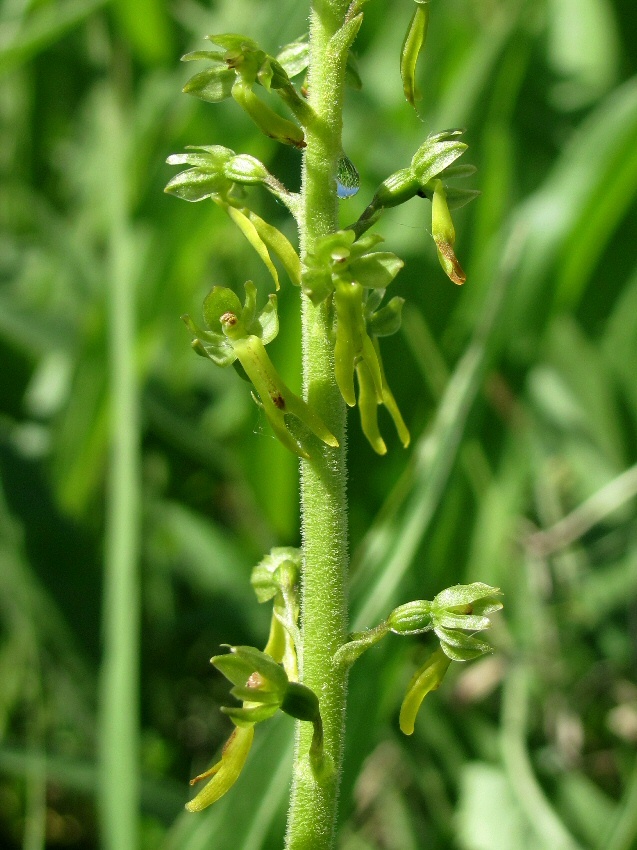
(225, 772)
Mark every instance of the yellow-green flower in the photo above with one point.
(225, 772)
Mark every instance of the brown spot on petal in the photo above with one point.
(278, 401)
(453, 269)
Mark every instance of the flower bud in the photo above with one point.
(279, 569)
(247, 170)
(399, 187)
(413, 618)
(412, 47)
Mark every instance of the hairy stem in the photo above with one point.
(312, 814)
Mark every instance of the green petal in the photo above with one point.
(212, 85)
(368, 408)
(210, 55)
(387, 320)
(281, 247)
(249, 716)
(245, 225)
(423, 682)
(233, 41)
(267, 321)
(460, 647)
(214, 346)
(247, 659)
(196, 185)
(226, 772)
(220, 300)
(469, 622)
(464, 594)
(376, 271)
(295, 57)
(433, 157)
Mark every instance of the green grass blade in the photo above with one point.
(42, 28)
(530, 796)
(118, 724)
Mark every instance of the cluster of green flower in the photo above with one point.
(341, 271)
(266, 681)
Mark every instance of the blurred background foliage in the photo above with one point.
(520, 390)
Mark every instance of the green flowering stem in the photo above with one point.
(312, 815)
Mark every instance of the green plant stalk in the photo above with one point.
(118, 725)
(313, 806)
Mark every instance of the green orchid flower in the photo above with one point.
(430, 175)
(454, 611)
(240, 333)
(218, 173)
(234, 71)
(463, 607)
(343, 269)
(264, 688)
